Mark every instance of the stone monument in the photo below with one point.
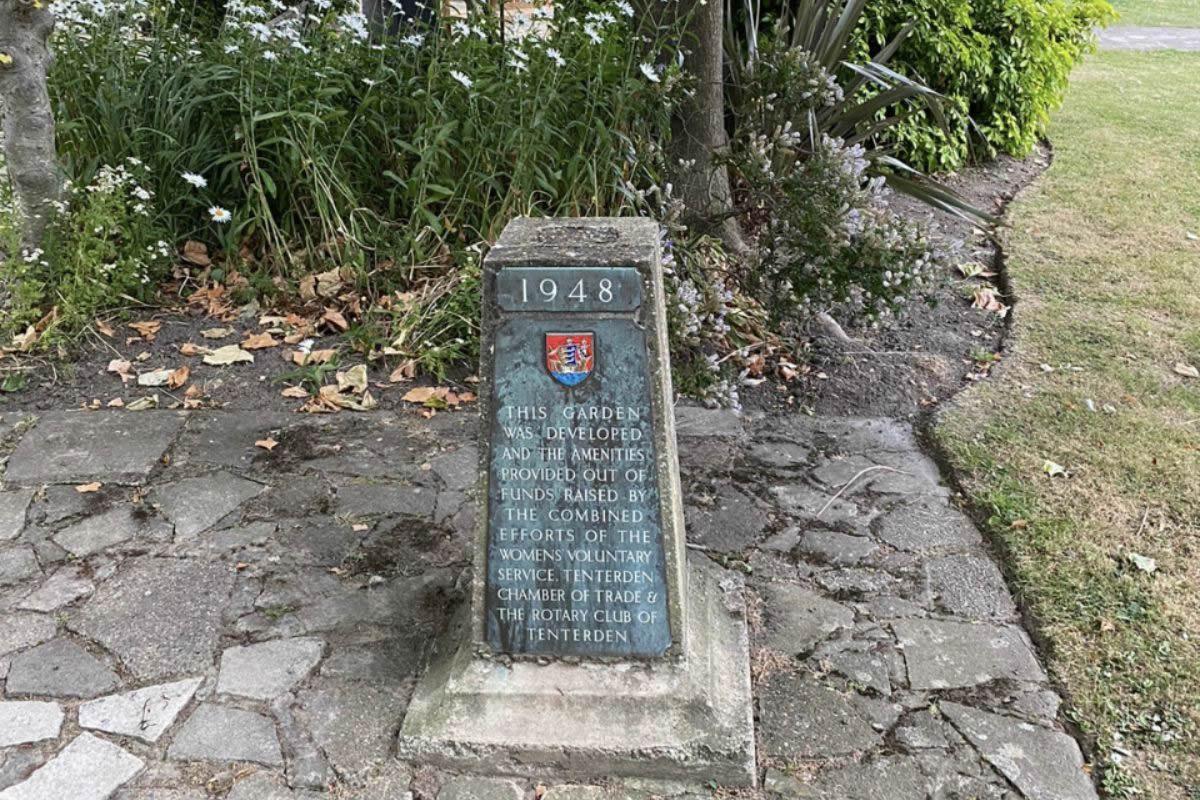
(593, 647)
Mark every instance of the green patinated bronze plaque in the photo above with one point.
(575, 555)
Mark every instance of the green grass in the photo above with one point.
(1167, 13)
(1106, 277)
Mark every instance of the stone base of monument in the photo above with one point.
(687, 719)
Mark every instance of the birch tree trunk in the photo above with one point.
(699, 137)
(28, 121)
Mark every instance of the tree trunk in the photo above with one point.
(25, 27)
(699, 139)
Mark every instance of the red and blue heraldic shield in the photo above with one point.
(570, 357)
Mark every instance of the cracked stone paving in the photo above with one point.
(222, 621)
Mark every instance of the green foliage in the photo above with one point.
(395, 157)
(1002, 66)
(107, 251)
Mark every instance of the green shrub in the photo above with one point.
(1003, 64)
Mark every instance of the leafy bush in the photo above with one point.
(1002, 66)
(828, 241)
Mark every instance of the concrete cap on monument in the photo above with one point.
(592, 647)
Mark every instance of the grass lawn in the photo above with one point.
(1168, 13)
(1107, 280)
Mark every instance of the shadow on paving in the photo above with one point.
(220, 620)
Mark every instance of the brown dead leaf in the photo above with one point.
(196, 254)
(258, 341)
(88, 488)
(985, 298)
(105, 328)
(229, 354)
(178, 377)
(147, 329)
(303, 359)
(25, 341)
(122, 368)
(405, 371)
(295, 391)
(1186, 370)
(116, 402)
(353, 380)
(335, 319)
(217, 333)
(189, 349)
(267, 444)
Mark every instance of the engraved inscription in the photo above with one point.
(575, 551)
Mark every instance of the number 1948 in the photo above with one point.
(547, 289)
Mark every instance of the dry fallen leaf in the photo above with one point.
(196, 254)
(1053, 470)
(229, 354)
(986, 299)
(88, 488)
(420, 394)
(405, 371)
(353, 379)
(148, 329)
(295, 391)
(158, 377)
(143, 403)
(189, 349)
(105, 328)
(335, 319)
(116, 402)
(303, 359)
(24, 341)
(258, 341)
(267, 444)
(1186, 370)
(217, 333)
(359, 527)
(178, 377)
(122, 368)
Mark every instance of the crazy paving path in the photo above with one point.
(1124, 37)
(223, 621)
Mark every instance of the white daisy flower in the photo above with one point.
(461, 78)
(556, 57)
(650, 72)
(219, 215)
(199, 181)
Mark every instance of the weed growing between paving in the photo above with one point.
(1104, 257)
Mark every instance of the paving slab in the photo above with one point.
(353, 725)
(798, 618)
(75, 446)
(1043, 764)
(928, 525)
(89, 768)
(14, 506)
(1127, 37)
(160, 616)
(839, 549)
(948, 655)
(22, 722)
(970, 587)
(731, 522)
(17, 564)
(196, 504)
(468, 787)
(21, 630)
(222, 733)
(62, 588)
(802, 719)
(117, 525)
(144, 713)
(267, 670)
(267, 786)
(59, 668)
